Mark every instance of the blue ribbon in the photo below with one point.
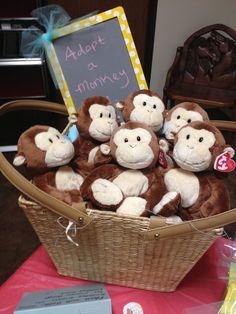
(72, 134)
(33, 39)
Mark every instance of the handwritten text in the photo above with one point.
(74, 54)
(121, 77)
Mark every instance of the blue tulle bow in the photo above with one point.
(33, 39)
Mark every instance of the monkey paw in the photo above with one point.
(173, 220)
(134, 206)
(67, 180)
(106, 192)
(105, 149)
(168, 205)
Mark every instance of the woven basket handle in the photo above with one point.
(208, 223)
(78, 215)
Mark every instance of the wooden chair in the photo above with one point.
(204, 70)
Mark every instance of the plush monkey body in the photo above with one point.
(46, 154)
(133, 185)
(88, 155)
(96, 122)
(198, 195)
(127, 191)
(195, 192)
(62, 183)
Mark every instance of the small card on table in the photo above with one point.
(86, 299)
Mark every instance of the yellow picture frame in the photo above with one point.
(51, 54)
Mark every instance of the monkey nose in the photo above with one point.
(190, 147)
(63, 149)
(179, 125)
(63, 142)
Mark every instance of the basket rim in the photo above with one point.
(90, 211)
(151, 226)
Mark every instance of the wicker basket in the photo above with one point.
(133, 252)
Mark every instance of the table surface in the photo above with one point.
(203, 285)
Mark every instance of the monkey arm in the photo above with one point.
(158, 200)
(213, 199)
(103, 155)
(168, 205)
(89, 155)
(46, 182)
(99, 188)
(82, 147)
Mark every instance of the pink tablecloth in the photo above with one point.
(201, 286)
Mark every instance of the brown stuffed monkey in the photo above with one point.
(143, 106)
(46, 155)
(180, 115)
(96, 122)
(133, 186)
(198, 148)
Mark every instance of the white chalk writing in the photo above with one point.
(120, 77)
(74, 54)
(92, 66)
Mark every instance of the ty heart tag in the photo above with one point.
(162, 159)
(224, 163)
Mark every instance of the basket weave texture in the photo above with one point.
(114, 249)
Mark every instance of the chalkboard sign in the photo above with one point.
(95, 56)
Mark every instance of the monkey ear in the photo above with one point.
(19, 160)
(120, 105)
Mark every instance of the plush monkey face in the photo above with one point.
(103, 122)
(43, 147)
(97, 119)
(197, 145)
(58, 151)
(146, 107)
(134, 146)
(181, 115)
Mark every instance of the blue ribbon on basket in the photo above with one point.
(33, 39)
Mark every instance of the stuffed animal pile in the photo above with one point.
(156, 162)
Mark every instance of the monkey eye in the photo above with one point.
(50, 140)
(126, 140)
(101, 115)
(144, 103)
(178, 117)
(57, 136)
(138, 138)
(154, 106)
(109, 116)
(188, 137)
(189, 120)
(200, 139)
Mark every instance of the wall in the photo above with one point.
(177, 20)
